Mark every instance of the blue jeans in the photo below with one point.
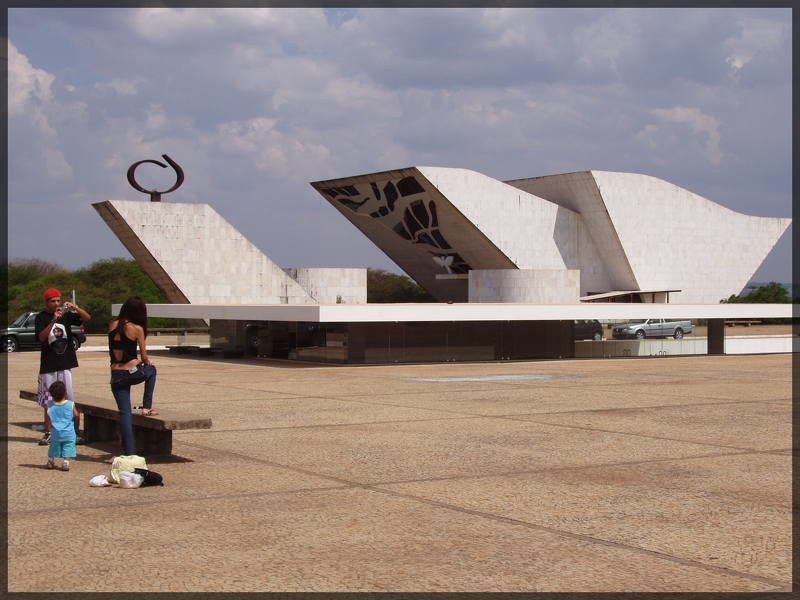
(121, 382)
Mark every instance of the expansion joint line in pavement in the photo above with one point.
(633, 434)
(587, 538)
(551, 530)
(541, 470)
(531, 418)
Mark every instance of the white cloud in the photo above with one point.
(30, 102)
(280, 154)
(757, 35)
(28, 88)
(123, 87)
(601, 44)
(156, 119)
(227, 27)
(700, 123)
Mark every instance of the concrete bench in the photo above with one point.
(742, 322)
(151, 435)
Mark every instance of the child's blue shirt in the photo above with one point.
(63, 425)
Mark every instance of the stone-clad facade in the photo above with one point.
(620, 231)
(197, 257)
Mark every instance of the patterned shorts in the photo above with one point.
(43, 398)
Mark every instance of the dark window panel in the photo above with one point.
(354, 206)
(418, 208)
(411, 223)
(424, 238)
(441, 242)
(409, 186)
(434, 218)
(401, 231)
(391, 195)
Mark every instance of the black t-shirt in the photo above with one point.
(56, 354)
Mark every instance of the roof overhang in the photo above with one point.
(376, 313)
(621, 294)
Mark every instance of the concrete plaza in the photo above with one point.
(651, 474)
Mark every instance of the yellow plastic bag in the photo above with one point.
(126, 463)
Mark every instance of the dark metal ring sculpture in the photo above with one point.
(155, 196)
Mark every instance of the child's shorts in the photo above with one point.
(61, 449)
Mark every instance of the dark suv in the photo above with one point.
(21, 334)
(588, 329)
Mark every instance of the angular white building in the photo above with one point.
(464, 236)
(520, 260)
(196, 257)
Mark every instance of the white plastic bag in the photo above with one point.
(129, 480)
(99, 481)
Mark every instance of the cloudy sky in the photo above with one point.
(256, 103)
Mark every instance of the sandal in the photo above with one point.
(149, 412)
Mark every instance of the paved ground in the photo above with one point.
(654, 474)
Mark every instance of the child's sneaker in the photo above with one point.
(45, 441)
(50, 465)
(65, 465)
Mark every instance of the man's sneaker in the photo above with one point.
(50, 465)
(45, 441)
(65, 465)
(79, 441)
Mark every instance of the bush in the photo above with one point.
(384, 287)
(772, 293)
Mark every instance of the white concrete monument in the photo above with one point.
(464, 237)
(621, 232)
(196, 257)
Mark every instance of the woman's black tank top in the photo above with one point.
(125, 344)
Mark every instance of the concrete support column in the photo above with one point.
(716, 336)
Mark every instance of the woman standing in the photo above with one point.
(124, 334)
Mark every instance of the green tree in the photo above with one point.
(23, 270)
(98, 286)
(20, 272)
(772, 293)
(385, 287)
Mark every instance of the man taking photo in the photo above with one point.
(53, 327)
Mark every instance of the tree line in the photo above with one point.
(97, 287)
(113, 280)
(772, 293)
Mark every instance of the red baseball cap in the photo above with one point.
(51, 293)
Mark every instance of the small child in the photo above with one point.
(63, 416)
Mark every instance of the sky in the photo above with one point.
(254, 104)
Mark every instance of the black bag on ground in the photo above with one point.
(150, 477)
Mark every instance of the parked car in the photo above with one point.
(588, 329)
(21, 334)
(659, 328)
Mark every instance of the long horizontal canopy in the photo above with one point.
(376, 313)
